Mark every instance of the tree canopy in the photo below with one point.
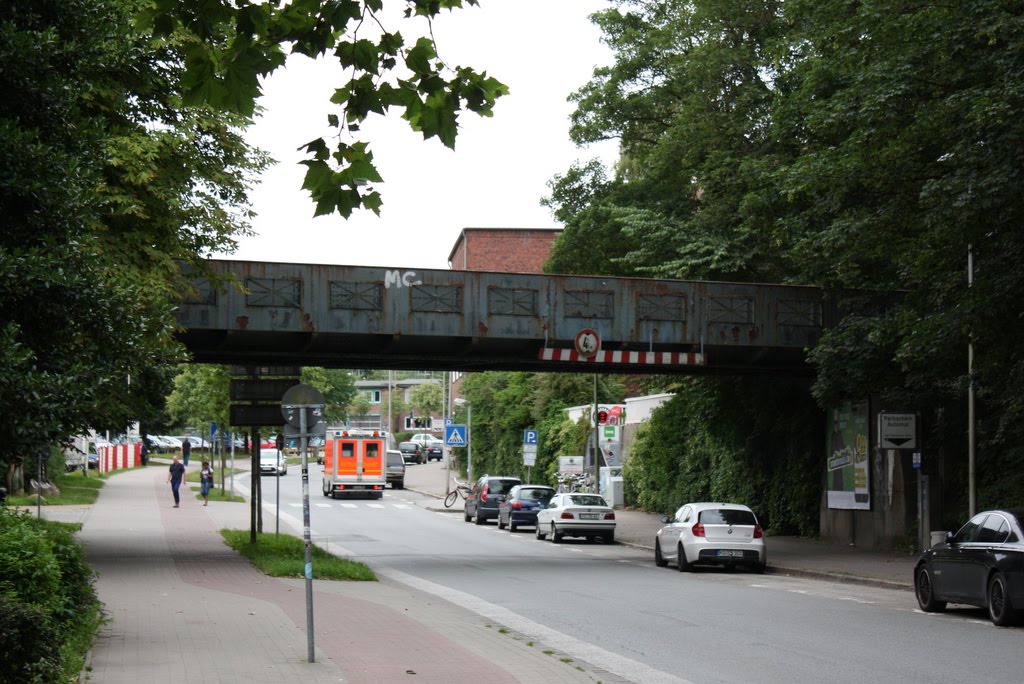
(123, 156)
(860, 148)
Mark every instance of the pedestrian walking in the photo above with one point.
(206, 481)
(175, 476)
(186, 449)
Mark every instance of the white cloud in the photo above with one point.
(542, 49)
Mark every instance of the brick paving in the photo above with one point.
(184, 607)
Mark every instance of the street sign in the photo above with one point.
(255, 415)
(587, 343)
(897, 430)
(570, 464)
(314, 430)
(529, 437)
(456, 436)
(529, 454)
(264, 389)
(267, 371)
(302, 398)
(917, 460)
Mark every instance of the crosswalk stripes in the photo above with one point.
(402, 506)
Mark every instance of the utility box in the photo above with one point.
(611, 484)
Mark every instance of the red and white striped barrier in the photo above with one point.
(627, 357)
(119, 456)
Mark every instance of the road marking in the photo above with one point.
(401, 506)
(374, 506)
(616, 664)
(321, 505)
(348, 505)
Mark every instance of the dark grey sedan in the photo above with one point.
(981, 565)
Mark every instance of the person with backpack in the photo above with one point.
(206, 481)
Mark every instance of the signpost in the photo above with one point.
(897, 430)
(302, 407)
(530, 443)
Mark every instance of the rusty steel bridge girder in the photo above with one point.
(378, 317)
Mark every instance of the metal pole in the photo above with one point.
(972, 505)
(469, 438)
(596, 453)
(306, 536)
(445, 412)
(277, 497)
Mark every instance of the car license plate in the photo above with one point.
(590, 516)
(728, 553)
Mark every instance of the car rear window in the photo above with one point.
(500, 486)
(395, 459)
(726, 516)
(536, 493)
(587, 500)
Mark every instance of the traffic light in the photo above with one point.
(280, 441)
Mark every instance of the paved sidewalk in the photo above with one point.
(184, 607)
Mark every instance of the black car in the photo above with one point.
(981, 565)
(521, 505)
(487, 493)
(435, 451)
(412, 452)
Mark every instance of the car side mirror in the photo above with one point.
(666, 519)
(949, 539)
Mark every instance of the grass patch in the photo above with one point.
(75, 489)
(282, 555)
(218, 494)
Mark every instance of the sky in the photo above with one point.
(495, 178)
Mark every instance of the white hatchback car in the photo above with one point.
(577, 515)
(273, 462)
(715, 533)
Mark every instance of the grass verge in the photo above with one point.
(75, 489)
(282, 555)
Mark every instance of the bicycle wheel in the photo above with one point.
(449, 500)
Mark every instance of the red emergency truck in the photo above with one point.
(355, 463)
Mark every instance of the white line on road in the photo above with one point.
(571, 646)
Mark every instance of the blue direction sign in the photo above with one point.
(529, 436)
(456, 436)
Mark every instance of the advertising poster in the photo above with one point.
(847, 449)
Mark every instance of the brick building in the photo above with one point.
(502, 250)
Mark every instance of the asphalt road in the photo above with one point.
(608, 605)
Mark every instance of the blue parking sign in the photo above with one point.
(529, 436)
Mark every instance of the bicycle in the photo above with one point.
(461, 489)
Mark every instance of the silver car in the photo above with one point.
(577, 515)
(714, 533)
(273, 462)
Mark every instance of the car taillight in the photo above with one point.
(516, 505)
(758, 532)
(698, 530)
(566, 515)
(609, 516)
(483, 493)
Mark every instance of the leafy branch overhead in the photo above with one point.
(230, 46)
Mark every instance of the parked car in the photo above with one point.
(435, 451)
(426, 439)
(576, 515)
(486, 495)
(981, 565)
(715, 533)
(94, 461)
(272, 462)
(412, 452)
(521, 505)
(395, 465)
